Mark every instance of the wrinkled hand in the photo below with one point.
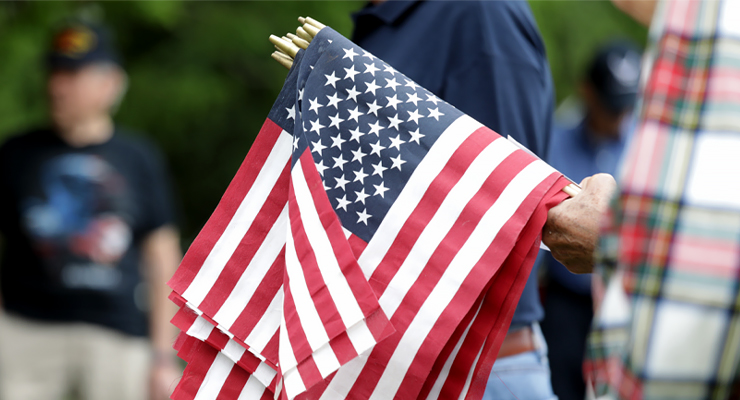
(572, 228)
(163, 379)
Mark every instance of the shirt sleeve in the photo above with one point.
(156, 191)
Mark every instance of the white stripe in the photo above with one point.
(200, 329)
(215, 378)
(445, 372)
(264, 373)
(427, 170)
(242, 220)
(326, 260)
(309, 318)
(254, 273)
(293, 384)
(233, 350)
(252, 390)
(440, 297)
(469, 379)
(345, 378)
(267, 326)
(285, 350)
(443, 220)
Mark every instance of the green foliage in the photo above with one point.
(202, 80)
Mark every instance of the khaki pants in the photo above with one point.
(47, 361)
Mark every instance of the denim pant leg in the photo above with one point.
(523, 376)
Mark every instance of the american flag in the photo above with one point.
(373, 244)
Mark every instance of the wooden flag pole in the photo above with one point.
(289, 45)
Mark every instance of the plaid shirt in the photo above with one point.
(668, 326)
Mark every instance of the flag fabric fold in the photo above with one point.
(372, 245)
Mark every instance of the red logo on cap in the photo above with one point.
(74, 42)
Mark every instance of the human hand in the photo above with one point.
(572, 228)
(163, 379)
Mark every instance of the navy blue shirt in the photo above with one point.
(577, 154)
(486, 58)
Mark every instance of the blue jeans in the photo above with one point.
(524, 376)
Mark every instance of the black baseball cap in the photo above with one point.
(615, 75)
(79, 44)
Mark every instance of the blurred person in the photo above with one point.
(667, 319)
(89, 242)
(488, 60)
(593, 146)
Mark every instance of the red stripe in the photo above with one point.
(296, 335)
(427, 207)
(323, 302)
(234, 384)
(201, 359)
(226, 208)
(309, 372)
(358, 245)
(255, 309)
(238, 264)
(217, 339)
(343, 253)
(184, 319)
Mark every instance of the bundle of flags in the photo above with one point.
(373, 244)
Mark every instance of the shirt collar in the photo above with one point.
(389, 12)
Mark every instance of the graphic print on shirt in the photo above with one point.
(78, 219)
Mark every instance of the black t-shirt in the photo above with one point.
(72, 223)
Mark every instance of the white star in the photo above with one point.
(390, 70)
(300, 94)
(367, 54)
(360, 175)
(391, 83)
(375, 128)
(396, 142)
(341, 182)
(432, 98)
(351, 73)
(411, 84)
(415, 136)
(434, 112)
(361, 196)
(371, 87)
(355, 114)
(349, 53)
(414, 116)
(339, 162)
(329, 40)
(380, 189)
(336, 141)
(318, 147)
(394, 121)
(333, 101)
(321, 167)
(379, 168)
(331, 80)
(352, 94)
(357, 155)
(397, 162)
(315, 105)
(315, 126)
(343, 203)
(413, 98)
(376, 148)
(371, 68)
(393, 101)
(374, 107)
(356, 134)
(363, 216)
(291, 112)
(335, 120)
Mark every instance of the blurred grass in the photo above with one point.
(202, 80)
